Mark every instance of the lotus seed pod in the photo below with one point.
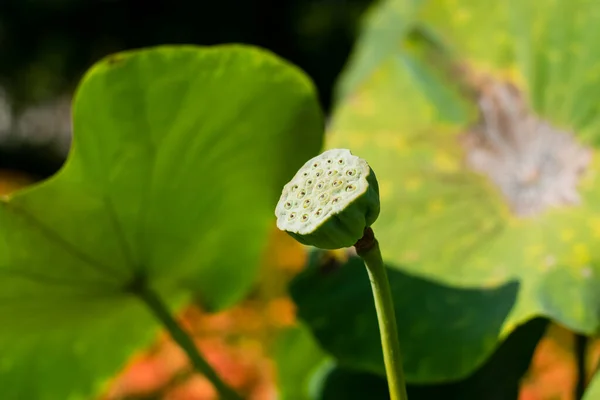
(330, 201)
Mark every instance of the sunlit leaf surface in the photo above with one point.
(178, 159)
(482, 122)
(593, 390)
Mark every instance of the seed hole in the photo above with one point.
(306, 203)
(304, 217)
(351, 172)
(337, 183)
(319, 212)
(315, 165)
(335, 201)
(309, 182)
(287, 205)
(292, 216)
(301, 194)
(329, 161)
(350, 188)
(294, 188)
(340, 161)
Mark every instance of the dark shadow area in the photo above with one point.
(37, 162)
(497, 379)
(46, 45)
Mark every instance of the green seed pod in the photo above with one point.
(330, 201)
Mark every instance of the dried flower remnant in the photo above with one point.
(535, 165)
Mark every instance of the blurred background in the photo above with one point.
(46, 46)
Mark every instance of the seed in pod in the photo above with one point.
(345, 194)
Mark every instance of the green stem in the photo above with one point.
(162, 313)
(368, 249)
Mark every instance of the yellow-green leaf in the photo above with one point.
(482, 125)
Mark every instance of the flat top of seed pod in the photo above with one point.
(323, 187)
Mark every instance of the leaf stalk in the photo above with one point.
(162, 313)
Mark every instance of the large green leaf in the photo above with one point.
(339, 310)
(378, 39)
(440, 219)
(498, 379)
(336, 302)
(178, 159)
(301, 364)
